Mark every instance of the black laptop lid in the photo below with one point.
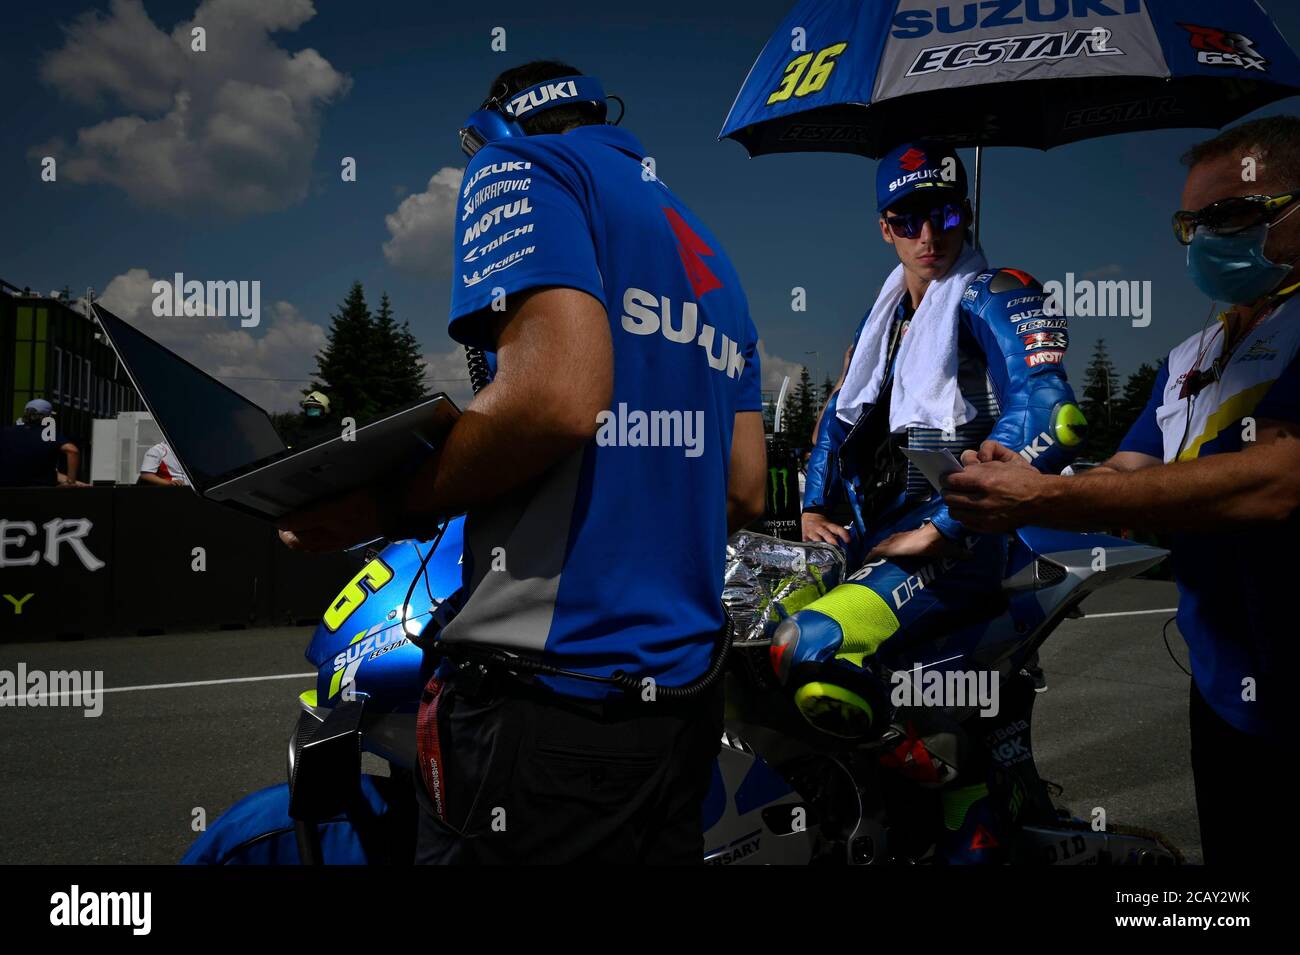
(210, 427)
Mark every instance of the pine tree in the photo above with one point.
(346, 367)
(397, 356)
(411, 359)
(823, 396)
(1137, 391)
(801, 411)
(370, 364)
(1100, 405)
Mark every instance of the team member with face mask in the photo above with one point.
(315, 406)
(952, 353)
(1215, 460)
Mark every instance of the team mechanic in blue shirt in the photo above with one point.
(603, 467)
(1214, 460)
(991, 362)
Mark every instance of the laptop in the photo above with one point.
(233, 454)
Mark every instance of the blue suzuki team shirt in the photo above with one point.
(613, 559)
(1235, 586)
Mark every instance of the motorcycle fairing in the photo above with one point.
(752, 816)
(372, 646)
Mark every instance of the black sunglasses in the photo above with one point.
(1232, 215)
(942, 218)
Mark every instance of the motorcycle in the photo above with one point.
(782, 792)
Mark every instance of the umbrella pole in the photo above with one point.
(979, 161)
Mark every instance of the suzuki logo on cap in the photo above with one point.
(911, 160)
(532, 99)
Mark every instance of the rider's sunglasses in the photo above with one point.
(942, 218)
(1228, 216)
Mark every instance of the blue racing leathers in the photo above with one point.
(1010, 369)
(835, 652)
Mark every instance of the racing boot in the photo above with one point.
(973, 833)
(824, 654)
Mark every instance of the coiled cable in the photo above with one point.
(479, 375)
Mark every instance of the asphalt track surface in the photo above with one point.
(124, 787)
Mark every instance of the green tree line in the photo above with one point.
(803, 406)
(1110, 408)
(370, 366)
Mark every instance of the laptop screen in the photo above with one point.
(211, 428)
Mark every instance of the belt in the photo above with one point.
(477, 663)
(479, 677)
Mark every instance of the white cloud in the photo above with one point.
(1113, 268)
(775, 368)
(232, 129)
(285, 349)
(447, 371)
(422, 225)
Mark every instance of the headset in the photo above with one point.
(499, 116)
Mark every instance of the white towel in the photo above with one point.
(925, 392)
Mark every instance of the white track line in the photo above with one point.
(1128, 613)
(304, 676)
(176, 686)
(237, 679)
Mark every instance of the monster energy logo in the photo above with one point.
(772, 478)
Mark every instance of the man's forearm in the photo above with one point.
(555, 375)
(500, 443)
(1218, 491)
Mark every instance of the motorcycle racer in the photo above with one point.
(985, 358)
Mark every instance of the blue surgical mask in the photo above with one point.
(1233, 268)
(314, 412)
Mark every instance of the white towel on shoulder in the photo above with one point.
(925, 392)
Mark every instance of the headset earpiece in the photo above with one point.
(622, 110)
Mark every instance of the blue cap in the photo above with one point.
(559, 92)
(498, 118)
(39, 405)
(918, 165)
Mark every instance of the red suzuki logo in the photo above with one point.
(912, 160)
(690, 247)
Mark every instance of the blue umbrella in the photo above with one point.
(862, 77)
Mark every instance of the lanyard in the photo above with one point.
(1196, 379)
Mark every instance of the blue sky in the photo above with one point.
(390, 82)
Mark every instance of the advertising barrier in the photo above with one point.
(138, 560)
